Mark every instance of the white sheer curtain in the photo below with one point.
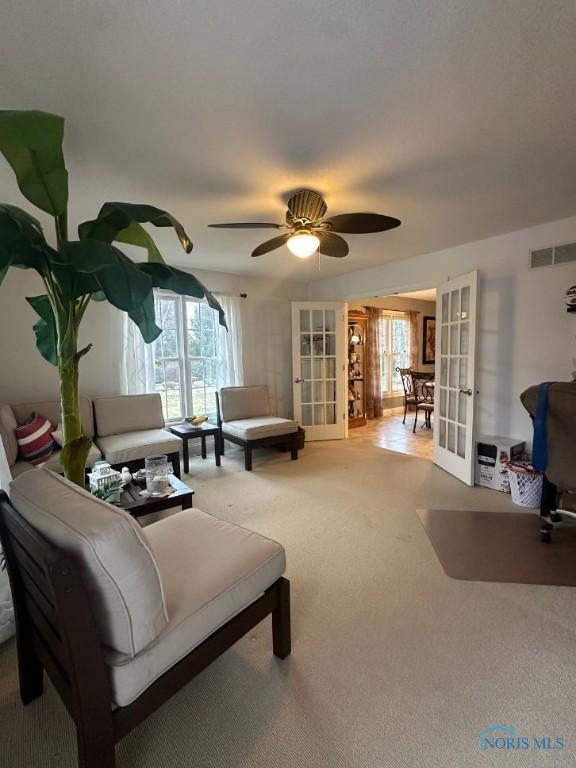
(137, 374)
(7, 626)
(414, 348)
(230, 367)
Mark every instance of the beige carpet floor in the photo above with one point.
(393, 663)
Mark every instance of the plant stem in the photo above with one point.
(71, 426)
(61, 224)
(76, 444)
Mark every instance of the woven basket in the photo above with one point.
(525, 484)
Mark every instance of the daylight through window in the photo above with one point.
(185, 357)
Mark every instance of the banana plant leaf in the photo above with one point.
(22, 243)
(88, 255)
(135, 234)
(183, 283)
(115, 221)
(90, 267)
(45, 328)
(125, 286)
(145, 318)
(26, 221)
(31, 142)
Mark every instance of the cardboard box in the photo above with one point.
(492, 455)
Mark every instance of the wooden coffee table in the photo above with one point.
(131, 500)
(187, 432)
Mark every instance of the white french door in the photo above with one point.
(319, 368)
(456, 311)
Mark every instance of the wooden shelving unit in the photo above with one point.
(356, 368)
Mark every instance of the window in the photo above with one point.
(394, 351)
(185, 356)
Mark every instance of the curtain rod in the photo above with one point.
(399, 311)
(223, 293)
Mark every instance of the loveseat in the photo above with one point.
(124, 430)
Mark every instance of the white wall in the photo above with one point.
(25, 375)
(525, 334)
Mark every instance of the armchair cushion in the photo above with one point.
(53, 463)
(262, 426)
(52, 410)
(19, 467)
(127, 413)
(8, 426)
(244, 402)
(137, 445)
(210, 570)
(115, 559)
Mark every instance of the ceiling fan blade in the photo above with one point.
(307, 204)
(361, 223)
(332, 245)
(271, 245)
(248, 225)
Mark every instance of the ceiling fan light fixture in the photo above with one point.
(303, 244)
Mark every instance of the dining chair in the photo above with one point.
(408, 387)
(424, 401)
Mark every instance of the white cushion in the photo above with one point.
(244, 402)
(138, 445)
(19, 467)
(127, 413)
(52, 410)
(211, 570)
(116, 562)
(8, 426)
(266, 426)
(53, 462)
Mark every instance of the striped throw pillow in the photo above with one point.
(34, 438)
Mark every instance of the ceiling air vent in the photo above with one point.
(555, 254)
(542, 258)
(565, 253)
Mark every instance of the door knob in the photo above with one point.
(299, 381)
(466, 392)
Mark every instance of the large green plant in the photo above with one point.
(76, 272)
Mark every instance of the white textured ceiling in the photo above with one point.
(456, 116)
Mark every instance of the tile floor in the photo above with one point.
(389, 432)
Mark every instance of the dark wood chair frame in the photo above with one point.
(56, 632)
(290, 441)
(408, 387)
(424, 402)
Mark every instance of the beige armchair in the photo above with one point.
(131, 427)
(121, 617)
(245, 418)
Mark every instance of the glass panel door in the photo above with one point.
(318, 349)
(455, 339)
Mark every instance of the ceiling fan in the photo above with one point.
(308, 230)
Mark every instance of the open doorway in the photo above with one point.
(391, 361)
